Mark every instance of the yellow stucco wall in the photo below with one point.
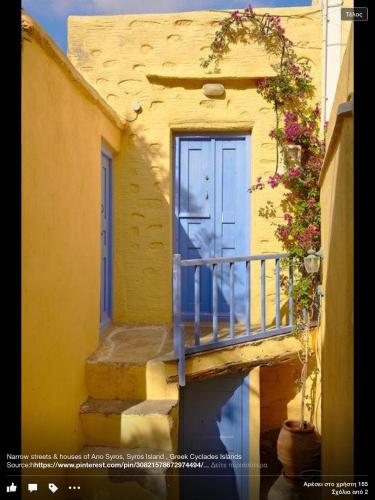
(337, 355)
(285, 402)
(63, 125)
(155, 59)
(280, 405)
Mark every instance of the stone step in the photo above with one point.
(115, 380)
(119, 479)
(131, 423)
(157, 374)
(126, 364)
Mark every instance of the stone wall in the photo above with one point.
(155, 59)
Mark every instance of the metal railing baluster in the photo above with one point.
(263, 293)
(176, 301)
(291, 302)
(215, 321)
(277, 292)
(197, 305)
(181, 358)
(178, 337)
(248, 297)
(231, 304)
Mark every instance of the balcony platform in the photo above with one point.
(132, 348)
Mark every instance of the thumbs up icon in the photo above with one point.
(12, 488)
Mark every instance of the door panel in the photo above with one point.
(195, 209)
(231, 215)
(106, 242)
(215, 420)
(194, 179)
(212, 216)
(195, 244)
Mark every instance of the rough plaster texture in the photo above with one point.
(155, 59)
(285, 402)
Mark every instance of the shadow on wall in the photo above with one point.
(142, 231)
(280, 400)
(196, 83)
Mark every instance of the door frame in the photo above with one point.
(220, 135)
(104, 151)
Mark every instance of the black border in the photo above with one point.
(363, 284)
(363, 294)
(11, 241)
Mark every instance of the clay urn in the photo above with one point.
(298, 449)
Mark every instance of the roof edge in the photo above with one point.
(37, 33)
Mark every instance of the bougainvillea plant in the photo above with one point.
(297, 118)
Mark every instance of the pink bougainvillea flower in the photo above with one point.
(293, 129)
(288, 218)
(274, 180)
(272, 134)
(317, 110)
(294, 172)
(283, 232)
(290, 95)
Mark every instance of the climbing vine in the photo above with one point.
(297, 135)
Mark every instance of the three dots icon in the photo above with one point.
(74, 488)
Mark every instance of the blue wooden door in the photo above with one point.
(212, 214)
(215, 421)
(106, 241)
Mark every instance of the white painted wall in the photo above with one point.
(332, 29)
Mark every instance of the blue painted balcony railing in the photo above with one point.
(264, 331)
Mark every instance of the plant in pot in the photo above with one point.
(298, 445)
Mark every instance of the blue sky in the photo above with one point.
(52, 14)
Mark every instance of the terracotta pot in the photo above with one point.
(298, 449)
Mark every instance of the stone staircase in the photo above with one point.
(132, 411)
(130, 424)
